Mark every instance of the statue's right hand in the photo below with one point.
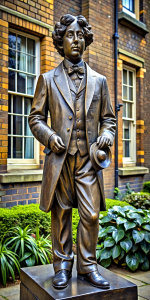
(56, 144)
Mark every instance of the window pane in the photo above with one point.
(9, 124)
(30, 85)
(21, 83)
(126, 149)
(27, 105)
(131, 78)
(12, 40)
(30, 46)
(27, 130)
(125, 92)
(21, 43)
(31, 64)
(29, 148)
(129, 110)
(17, 125)
(12, 59)
(9, 147)
(131, 93)
(124, 110)
(17, 104)
(17, 147)
(9, 103)
(11, 81)
(126, 134)
(124, 76)
(21, 62)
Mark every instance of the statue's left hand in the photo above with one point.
(103, 142)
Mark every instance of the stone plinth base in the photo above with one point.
(36, 284)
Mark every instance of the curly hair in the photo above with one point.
(60, 29)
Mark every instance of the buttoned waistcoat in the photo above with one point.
(53, 94)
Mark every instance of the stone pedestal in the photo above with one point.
(36, 284)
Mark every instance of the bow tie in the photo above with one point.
(75, 69)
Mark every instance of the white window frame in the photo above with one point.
(134, 14)
(19, 163)
(132, 159)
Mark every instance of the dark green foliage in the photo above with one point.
(138, 200)
(23, 215)
(124, 238)
(31, 249)
(21, 248)
(119, 195)
(146, 187)
(8, 262)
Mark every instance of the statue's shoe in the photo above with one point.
(95, 279)
(61, 278)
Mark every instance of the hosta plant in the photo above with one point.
(124, 238)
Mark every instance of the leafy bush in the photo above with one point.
(139, 200)
(8, 262)
(30, 251)
(119, 195)
(124, 238)
(23, 215)
(146, 187)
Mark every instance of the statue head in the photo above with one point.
(71, 36)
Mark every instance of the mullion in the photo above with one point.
(12, 126)
(23, 127)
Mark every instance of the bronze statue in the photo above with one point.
(81, 116)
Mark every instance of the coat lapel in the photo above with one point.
(62, 84)
(90, 87)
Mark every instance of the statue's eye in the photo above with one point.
(69, 34)
(80, 35)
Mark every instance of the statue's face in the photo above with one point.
(74, 42)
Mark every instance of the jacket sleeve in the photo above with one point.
(38, 115)
(107, 117)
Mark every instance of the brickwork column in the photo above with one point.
(3, 95)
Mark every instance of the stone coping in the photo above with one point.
(129, 171)
(21, 176)
(132, 23)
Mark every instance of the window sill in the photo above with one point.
(130, 22)
(129, 171)
(21, 176)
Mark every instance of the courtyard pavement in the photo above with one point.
(141, 279)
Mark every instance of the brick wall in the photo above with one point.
(20, 194)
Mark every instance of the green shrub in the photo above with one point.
(23, 215)
(146, 187)
(8, 262)
(124, 238)
(139, 200)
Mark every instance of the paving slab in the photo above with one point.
(133, 280)
(144, 291)
(10, 291)
(141, 298)
(142, 276)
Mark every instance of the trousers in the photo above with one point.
(77, 183)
